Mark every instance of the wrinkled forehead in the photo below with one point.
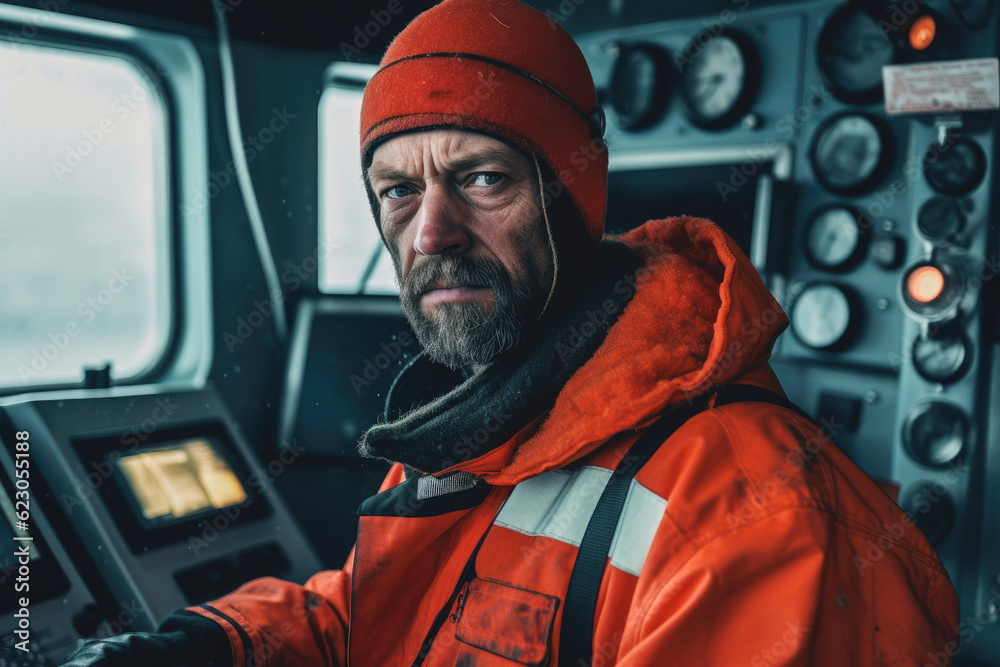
(433, 151)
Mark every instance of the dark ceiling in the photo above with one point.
(304, 24)
(328, 25)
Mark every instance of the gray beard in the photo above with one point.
(465, 335)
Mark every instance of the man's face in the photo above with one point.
(461, 215)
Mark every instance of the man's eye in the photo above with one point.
(398, 191)
(487, 178)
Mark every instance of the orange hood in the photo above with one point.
(700, 316)
(683, 309)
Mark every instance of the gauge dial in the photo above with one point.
(935, 433)
(850, 154)
(852, 51)
(720, 81)
(835, 238)
(943, 356)
(957, 169)
(824, 317)
(640, 86)
(940, 219)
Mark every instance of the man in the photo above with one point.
(743, 536)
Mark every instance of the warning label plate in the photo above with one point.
(948, 86)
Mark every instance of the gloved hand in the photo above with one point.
(184, 639)
(134, 648)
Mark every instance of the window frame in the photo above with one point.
(183, 274)
(349, 76)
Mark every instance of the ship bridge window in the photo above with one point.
(84, 228)
(352, 259)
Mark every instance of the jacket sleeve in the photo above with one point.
(270, 621)
(789, 590)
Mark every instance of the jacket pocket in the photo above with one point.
(513, 623)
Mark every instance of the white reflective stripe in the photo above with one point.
(556, 504)
(636, 529)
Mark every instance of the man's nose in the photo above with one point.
(441, 224)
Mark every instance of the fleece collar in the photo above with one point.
(693, 313)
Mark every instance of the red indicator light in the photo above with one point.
(922, 32)
(925, 283)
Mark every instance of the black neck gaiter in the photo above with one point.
(436, 418)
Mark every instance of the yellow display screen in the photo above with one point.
(180, 479)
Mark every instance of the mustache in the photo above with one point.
(454, 270)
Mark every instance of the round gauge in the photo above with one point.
(720, 80)
(957, 169)
(850, 154)
(974, 14)
(933, 290)
(835, 238)
(942, 356)
(852, 50)
(640, 86)
(940, 219)
(931, 508)
(935, 432)
(824, 317)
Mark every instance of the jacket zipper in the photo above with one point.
(461, 589)
(462, 596)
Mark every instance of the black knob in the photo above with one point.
(940, 218)
(935, 433)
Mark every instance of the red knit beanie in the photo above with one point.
(504, 69)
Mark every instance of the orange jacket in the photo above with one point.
(748, 539)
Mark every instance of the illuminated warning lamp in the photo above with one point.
(925, 283)
(933, 290)
(925, 34)
(922, 32)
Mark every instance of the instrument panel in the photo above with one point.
(158, 498)
(878, 235)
